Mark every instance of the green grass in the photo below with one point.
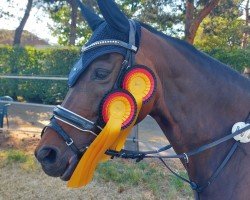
(24, 160)
(176, 185)
(131, 174)
(128, 174)
(176, 182)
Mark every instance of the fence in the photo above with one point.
(132, 142)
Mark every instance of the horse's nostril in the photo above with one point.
(46, 155)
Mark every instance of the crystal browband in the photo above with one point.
(109, 42)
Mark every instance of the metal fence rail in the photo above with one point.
(28, 104)
(132, 142)
(54, 78)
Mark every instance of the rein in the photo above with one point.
(140, 155)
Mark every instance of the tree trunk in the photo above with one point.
(189, 19)
(73, 16)
(245, 34)
(192, 22)
(19, 30)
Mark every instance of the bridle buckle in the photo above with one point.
(70, 142)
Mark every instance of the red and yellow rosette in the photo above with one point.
(119, 110)
(140, 81)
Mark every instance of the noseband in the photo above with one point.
(68, 117)
(81, 123)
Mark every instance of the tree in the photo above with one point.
(161, 14)
(73, 17)
(222, 28)
(246, 28)
(165, 14)
(149, 11)
(19, 29)
(195, 15)
(178, 18)
(219, 32)
(14, 7)
(65, 14)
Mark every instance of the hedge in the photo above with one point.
(37, 62)
(58, 62)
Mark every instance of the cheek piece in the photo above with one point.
(119, 111)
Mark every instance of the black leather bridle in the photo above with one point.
(85, 125)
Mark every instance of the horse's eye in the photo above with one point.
(101, 74)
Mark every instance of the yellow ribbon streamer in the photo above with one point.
(139, 86)
(84, 171)
(111, 137)
(120, 142)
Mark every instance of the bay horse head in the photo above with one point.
(109, 61)
(127, 71)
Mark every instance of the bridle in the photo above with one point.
(81, 123)
(85, 125)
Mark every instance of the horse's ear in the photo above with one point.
(92, 18)
(113, 15)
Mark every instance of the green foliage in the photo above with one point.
(219, 32)
(220, 35)
(163, 15)
(37, 62)
(60, 13)
(236, 58)
(222, 28)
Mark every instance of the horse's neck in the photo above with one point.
(199, 104)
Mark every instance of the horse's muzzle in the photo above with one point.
(54, 164)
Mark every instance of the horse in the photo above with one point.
(196, 101)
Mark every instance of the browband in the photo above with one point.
(109, 42)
